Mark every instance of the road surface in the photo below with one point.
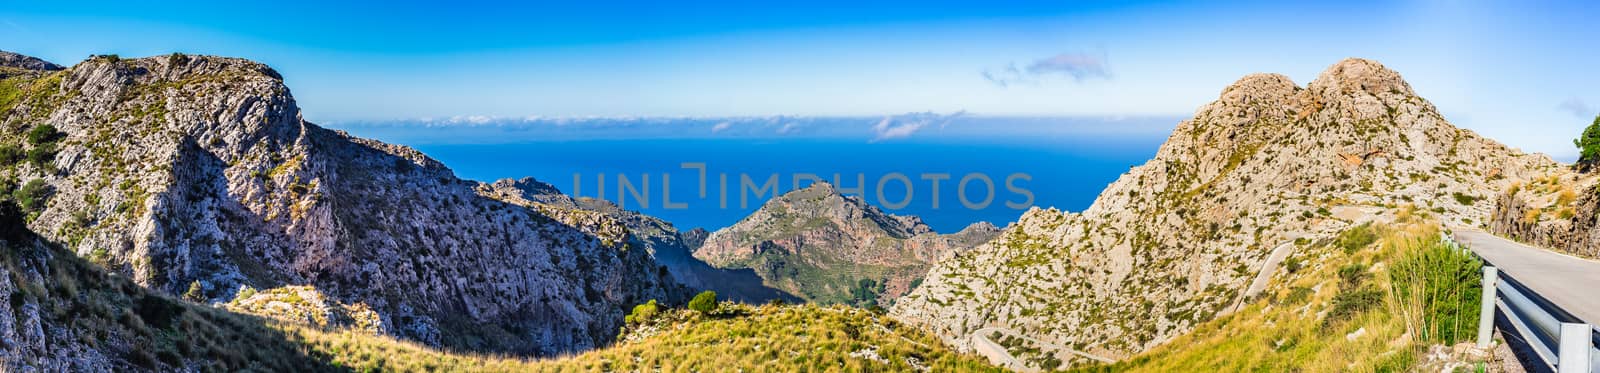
(980, 340)
(1570, 282)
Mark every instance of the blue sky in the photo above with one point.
(1520, 72)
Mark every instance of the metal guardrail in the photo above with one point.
(1563, 342)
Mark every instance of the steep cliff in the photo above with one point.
(1176, 241)
(826, 247)
(180, 171)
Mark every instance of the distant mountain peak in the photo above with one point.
(817, 244)
(10, 59)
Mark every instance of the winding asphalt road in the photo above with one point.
(1570, 282)
(985, 346)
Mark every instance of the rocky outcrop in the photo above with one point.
(13, 60)
(820, 245)
(665, 244)
(1560, 211)
(305, 305)
(177, 170)
(1175, 241)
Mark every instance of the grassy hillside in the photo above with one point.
(735, 337)
(1371, 299)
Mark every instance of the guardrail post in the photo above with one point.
(1573, 353)
(1486, 309)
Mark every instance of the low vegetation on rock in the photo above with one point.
(820, 246)
(1380, 307)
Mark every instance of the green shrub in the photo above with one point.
(41, 155)
(10, 155)
(33, 195)
(1349, 303)
(704, 303)
(865, 293)
(100, 256)
(43, 133)
(643, 312)
(1444, 283)
(177, 58)
(1351, 275)
(196, 293)
(1357, 238)
(1464, 199)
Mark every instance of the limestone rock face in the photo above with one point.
(180, 169)
(1175, 241)
(818, 245)
(1560, 210)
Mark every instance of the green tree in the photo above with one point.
(1588, 146)
(196, 293)
(704, 303)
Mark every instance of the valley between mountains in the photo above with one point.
(176, 213)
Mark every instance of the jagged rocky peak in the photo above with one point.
(10, 59)
(1359, 74)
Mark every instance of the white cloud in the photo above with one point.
(902, 126)
(721, 126)
(788, 127)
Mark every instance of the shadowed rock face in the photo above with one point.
(176, 170)
(819, 245)
(665, 243)
(1173, 242)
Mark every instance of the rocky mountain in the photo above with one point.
(1176, 241)
(665, 243)
(826, 247)
(196, 175)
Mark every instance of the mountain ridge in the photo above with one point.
(1266, 163)
(825, 246)
(182, 170)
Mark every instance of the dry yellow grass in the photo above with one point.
(803, 338)
(1290, 330)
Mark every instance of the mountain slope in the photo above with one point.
(826, 247)
(63, 314)
(182, 171)
(1174, 242)
(665, 243)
